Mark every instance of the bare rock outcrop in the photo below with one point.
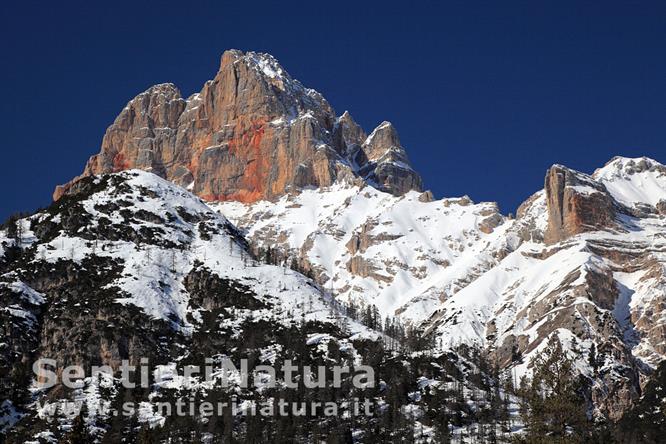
(252, 133)
(576, 204)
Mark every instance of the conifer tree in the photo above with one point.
(78, 434)
(554, 409)
(593, 359)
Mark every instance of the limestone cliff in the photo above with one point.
(252, 133)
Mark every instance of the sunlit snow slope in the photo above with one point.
(583, 260)
(403, 254)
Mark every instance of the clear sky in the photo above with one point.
(485, 95)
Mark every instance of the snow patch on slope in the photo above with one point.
(631, 181)
(375, 248)
(153, 273)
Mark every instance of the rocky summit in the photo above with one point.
(252, 133)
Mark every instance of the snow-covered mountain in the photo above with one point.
(614, 269)
(598, 283)
(161, 233)
(131, 267)
(281, 179)
(404, 254)
(582, 260)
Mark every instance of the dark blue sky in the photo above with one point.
(485, 95)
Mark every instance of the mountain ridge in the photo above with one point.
(576, 249)
(131, 267)
(583, 261)
(350, 214)
(253, 132)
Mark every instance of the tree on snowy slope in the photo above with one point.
(78, 433)
(554, 405)
(646, 421)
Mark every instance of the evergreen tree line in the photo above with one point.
(471, 401)
(398, 336)
(13, 228)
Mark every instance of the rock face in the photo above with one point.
(576, 203)
(382, 161)
(252, 133)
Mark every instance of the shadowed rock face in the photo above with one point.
(252, 133)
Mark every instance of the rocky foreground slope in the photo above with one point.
(132, 267)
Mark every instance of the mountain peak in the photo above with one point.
(578, 202)
(162, 89)
(637, 183)
(383, 138)
(619, 165)
(230, 56)
(268, 64)
(252, 133)
(387, 164)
